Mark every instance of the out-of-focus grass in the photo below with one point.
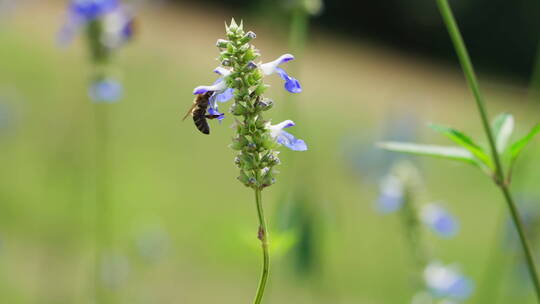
(168, 175)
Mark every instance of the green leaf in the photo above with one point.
(516, 148)
(453, 153)
(503, 126)
(466, 142)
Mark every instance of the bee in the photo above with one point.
(198, 111)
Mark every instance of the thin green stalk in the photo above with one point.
(263, 237)
(298, 31)
(103, 207)
(499, 176)
(492, 274)
(297, 41)
(412, 231)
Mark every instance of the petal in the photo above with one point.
(117, 28)
(440, 220)
(269, 68)
(106, 91)
(92, 9)
(391, 195)
(214, 111)
(291, 84)
(285, 124)
(461, 288)
(225, 95)
(217, 86)
(67, 33)
(288, 140)
(222, 71)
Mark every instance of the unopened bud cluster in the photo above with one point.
(256, 155)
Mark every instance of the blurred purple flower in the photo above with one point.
(106, 90)
(117, 22)
(391, 194)
(114, 269)
(291, 84)
(447, 282)
(284, 138)
(439, 220)
(152, 243)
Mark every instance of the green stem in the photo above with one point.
(103, 207)
(499, 175)
(263, 237)
(490, 284)
(411, 228)
(298, 31)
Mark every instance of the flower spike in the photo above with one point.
(255, 139)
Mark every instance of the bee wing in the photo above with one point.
(190, 111)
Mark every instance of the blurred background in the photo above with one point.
(184, 228)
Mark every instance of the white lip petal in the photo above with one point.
(275, 130)
(222, 71)
(213, 88)
(269, 68)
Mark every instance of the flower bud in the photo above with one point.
(238, 109)
(222, 43)
(251, 65)
(250, 55)
(265, 104)
(248, 37)
(226, 62)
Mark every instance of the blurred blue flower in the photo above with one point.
(152, 243)
(391, 196)
(118, 28)
(439, 220)
(284, 138)
(114, 269)
(291, 84)
(118, 23)
(447, 282)
(105, 90)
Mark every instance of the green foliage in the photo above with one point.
(470, 152)
(466, 142)
(503, 126)
(453, 153)
(517, 147)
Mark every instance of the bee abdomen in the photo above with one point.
(200, 120)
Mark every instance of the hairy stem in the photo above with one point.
(263, 237)
(499, 175)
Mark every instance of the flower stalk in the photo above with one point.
(499, 174)
(256, 139)
(106, 25)
(263, 237)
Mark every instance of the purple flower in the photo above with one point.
(447, 282)
(105, 90)
(391, 194)
(118, 28)
(117, 22)
(439, 220)
(284, 138)
(291, 84)
(221, 93)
